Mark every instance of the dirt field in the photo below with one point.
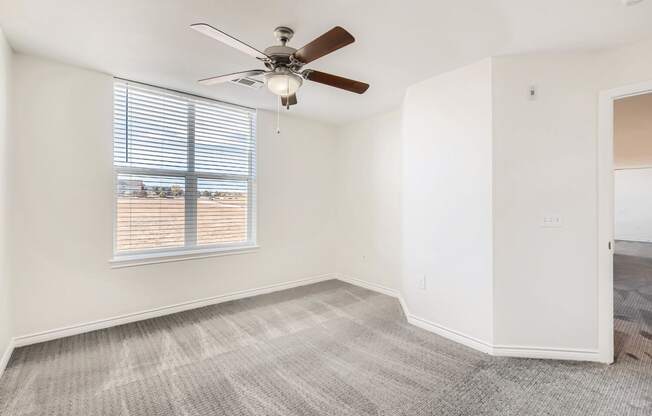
(144, 223)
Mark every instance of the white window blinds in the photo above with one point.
(185, 171)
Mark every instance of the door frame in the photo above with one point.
(606, 197)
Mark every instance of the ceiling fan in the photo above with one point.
(285, 73)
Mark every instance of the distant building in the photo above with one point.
(128, 187)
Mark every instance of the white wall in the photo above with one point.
(629, 64)
(62, 229)
(6, 318)
(633, 204)
(545, 164)
(369, 200)
(447, 200)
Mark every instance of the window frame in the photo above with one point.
(191, 179)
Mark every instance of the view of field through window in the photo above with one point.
(184, 170)
(151, 212)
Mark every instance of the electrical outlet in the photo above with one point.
(422, 282)
(551, 221)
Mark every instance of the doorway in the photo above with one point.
(625, 223)
(632, 227)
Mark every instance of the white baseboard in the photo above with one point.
(469, 341)
(165, 310)
(417, 321)
(368, 285)
(546, 353)
(477, 344)
(4, 360)
(376, 288)
(448, 333)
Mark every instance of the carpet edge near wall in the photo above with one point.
(464, 339)
(80, 328)
(513, 351)
(420, 322)
(4, 360)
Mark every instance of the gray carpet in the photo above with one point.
(633, 300)
(325, 349)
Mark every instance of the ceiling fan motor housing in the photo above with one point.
(279, 52)
(281, 55)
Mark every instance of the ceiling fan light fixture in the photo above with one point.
(283, 83)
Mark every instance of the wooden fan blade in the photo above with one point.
(337, 82)
(292, 98)
(330, 41)
(229, 77)
(229, 40)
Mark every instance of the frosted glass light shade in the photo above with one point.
(283, 84)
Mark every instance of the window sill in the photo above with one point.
(130, 260)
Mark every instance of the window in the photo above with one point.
(185, 173)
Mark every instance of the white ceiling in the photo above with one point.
(397, 43)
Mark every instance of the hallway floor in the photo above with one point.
(633, 300)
